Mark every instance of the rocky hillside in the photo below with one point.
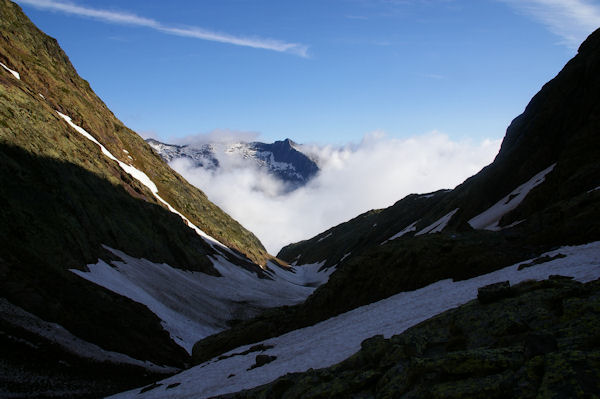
(280, 159)
(535, 339)
(541, 191)
(48, 83)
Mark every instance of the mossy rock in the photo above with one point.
(495, 362)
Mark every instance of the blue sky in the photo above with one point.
(317, 71)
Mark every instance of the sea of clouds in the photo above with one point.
(354, 178)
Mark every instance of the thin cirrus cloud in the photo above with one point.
(572, 20)
(125, 18)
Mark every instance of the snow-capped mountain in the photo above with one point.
(282, 159)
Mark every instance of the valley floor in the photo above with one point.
(334, 340)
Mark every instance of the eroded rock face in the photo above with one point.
(542, 340)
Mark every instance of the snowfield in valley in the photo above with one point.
(193, 305)
(335, 339)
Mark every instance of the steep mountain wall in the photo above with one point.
(49, 83)
(74, 179)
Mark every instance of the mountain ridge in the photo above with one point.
(50, 81)
(280, 159)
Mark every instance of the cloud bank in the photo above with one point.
(354, 178)
(126, 18)
(572, 20)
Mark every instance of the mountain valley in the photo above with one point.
(117, 275)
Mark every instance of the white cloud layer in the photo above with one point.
(126, 18)
(572, 20)
(355, 178)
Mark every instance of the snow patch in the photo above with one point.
(335, 339)
(438, 225)
(145, 180)
(325, 237)
(406, 230)
(14, 73)
(67, 341)
(308, 275)
(193, 305)
(489, 219)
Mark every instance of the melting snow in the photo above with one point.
(69, 342)
(308, 275)
(15, 73)
(336, 339)
(193, 305)
(438, 225)
(325, 237)
(144, 179)
(406, 230)
(489, 219)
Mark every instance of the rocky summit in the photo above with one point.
(283, 160)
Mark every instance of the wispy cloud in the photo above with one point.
(126, 18)
(358, 17)
(572, 20)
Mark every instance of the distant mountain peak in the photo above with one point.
(282, 159)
